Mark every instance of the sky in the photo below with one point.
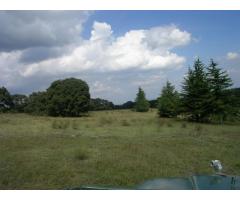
(115, 52)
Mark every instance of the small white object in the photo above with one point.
(216, 164)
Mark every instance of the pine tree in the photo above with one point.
(168, 102)
(219, 83)
(142, 105)
(196, 92)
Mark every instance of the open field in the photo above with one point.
(113, 148)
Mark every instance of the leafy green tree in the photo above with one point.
(142, 105)
(169, 101)
(101, 104)
(5, 100)
(20, 102)
(69, 97)
(196, 93)
(37, 103)
(219, 81)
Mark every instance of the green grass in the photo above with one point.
(109, 148)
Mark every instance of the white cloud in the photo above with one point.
(232, 55)
(149, 81)
(137, 49)
(142, 49)
(98, 87)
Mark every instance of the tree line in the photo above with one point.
(205, 96)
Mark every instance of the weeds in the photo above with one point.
(75, 125)
(125, 123)
(105, 121)
(60, 124)
(81, 154)
(184, 125)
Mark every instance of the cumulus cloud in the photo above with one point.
(232, 55)
(32, 66)
(136, 49)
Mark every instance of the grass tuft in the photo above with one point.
(81, 154)
(124, 122)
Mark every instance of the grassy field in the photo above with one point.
(113, 148)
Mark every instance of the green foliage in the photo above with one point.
(219, 82)
(37, 103)
(69, 97)
(168, 102)
(206, 95)
(142, 105)
(20, 101)
(100, 104)
(5, 100)
(196, 93)
(126, 105)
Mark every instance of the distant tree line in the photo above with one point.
(205, 96)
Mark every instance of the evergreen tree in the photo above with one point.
(219, 83)
(196, 93)
(142, 105)
(168, 103)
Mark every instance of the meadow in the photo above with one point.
(118, 148)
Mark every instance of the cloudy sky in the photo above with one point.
(114, 51)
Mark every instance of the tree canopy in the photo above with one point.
(69, 97)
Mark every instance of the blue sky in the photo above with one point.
(114, 51)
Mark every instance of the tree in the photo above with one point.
(37, 103)
(219, 83)
(153, 103)
(5, 100)
(142, 105)
(69, 97)
(168, 102)
(19, 102)
(196, 93)
(101, 104)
